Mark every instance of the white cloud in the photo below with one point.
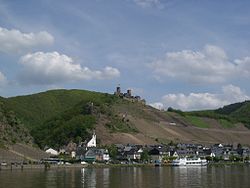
(157, 105)
(3, 79)
(211, 65)
(51, 68)
(193, 101)
(108, 73)
(233, 94)
(243, 66)
(14, 41)
(137, 91)
(148, 3)
(196, 101)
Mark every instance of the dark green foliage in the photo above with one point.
(2, 144)
(35, 109)
(170, 109)
(217, 159)
(243, 114)
(113, 151)
(239, 146)
(227, 110)
(145, 156)
(209, 158)
(228, 115)
(12, 129)
(238, 112)
(55, 117)
(74, 124)
(171, 143)
(235, 158)
(58, 116)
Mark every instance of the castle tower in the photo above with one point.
(129, 93)
(118, 90)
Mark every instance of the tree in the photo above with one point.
(78, 139)
(209, 158)
(171, 143)
(113, 151)
(246, 158)
(217, 159)
(239, 146)
(144, 156)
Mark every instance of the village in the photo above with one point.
(90, 153)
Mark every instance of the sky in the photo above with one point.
(184, 54)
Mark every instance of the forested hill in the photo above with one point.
(12, 129)
(233, 113)
(238, 112)
(35, 109)
(56, 117)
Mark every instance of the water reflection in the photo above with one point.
(146, 177)
(95, 177)
(106, 177)
(88, 177)
(188, 176)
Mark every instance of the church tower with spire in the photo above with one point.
(92, 142)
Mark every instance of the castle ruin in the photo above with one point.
(128, 96)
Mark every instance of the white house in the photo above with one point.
(52, 151)
(92, 142)
(105, 155)
(73, 154)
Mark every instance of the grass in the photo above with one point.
(197, 121)
(234, 113)
(2, 145)
(226, 124)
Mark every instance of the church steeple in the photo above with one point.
(92, 142)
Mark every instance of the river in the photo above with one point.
(128, 177)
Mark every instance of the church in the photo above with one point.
(92, 142)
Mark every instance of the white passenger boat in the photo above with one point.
(189, 162)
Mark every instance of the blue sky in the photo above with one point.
(187, 54)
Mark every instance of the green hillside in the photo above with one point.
(227, 115)
(56, 117)
(35, 109)
(239, 112)
(229, 109)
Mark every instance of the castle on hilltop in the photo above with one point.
(128, 96)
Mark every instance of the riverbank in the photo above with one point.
(40, 166)
(54, 166)
(101, 165)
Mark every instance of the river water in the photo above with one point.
(129, 177)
